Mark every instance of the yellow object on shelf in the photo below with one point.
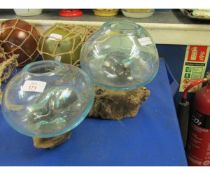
(137, 13)
(106, 12)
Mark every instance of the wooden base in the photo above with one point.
(117, 105)
(44, 143)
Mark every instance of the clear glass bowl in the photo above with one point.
(28, 12)
(120, 56)
(47, 99)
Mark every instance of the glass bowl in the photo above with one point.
(47, 99)
(120, 56)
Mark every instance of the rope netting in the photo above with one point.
(6, 68)
(10, 34)
(66, 42)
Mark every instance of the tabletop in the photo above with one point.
(151, 138)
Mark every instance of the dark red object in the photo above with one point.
(70, 13)
(19, 37)
(198, 146)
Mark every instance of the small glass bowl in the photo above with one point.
(47, 99)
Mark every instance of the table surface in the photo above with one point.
(151, 138)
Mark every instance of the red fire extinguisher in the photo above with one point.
(198, 142)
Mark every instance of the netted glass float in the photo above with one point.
(47, 99)
(21, 38)
(120, 56)
(62, 43)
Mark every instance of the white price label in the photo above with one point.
(33, 86)
(58, 58)
(145, 41)
(56, 36)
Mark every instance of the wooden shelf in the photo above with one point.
(165, 26)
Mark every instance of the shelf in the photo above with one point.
(165, 26)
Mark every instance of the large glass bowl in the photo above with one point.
(120, 56)
(47, 99)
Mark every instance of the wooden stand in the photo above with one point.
(117, 105)
(44, 143)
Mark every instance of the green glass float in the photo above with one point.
(62, 43)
